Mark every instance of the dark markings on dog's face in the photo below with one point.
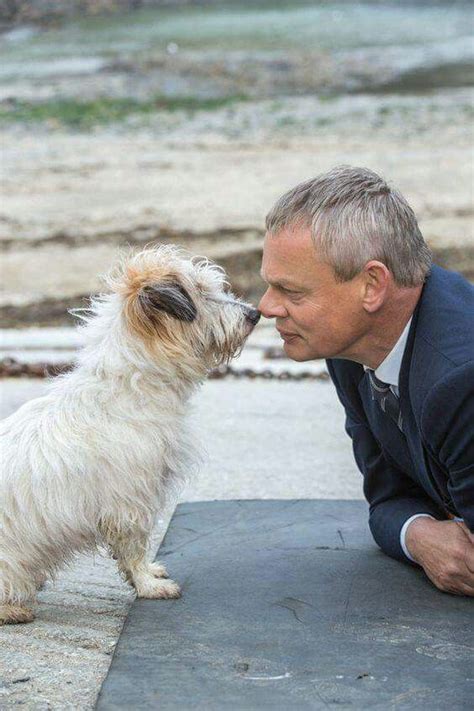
(170, 297)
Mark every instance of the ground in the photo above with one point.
(59, 661)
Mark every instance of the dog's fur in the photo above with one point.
(90, 463)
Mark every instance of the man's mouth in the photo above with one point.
(287, 336)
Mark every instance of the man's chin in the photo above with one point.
(296, 351)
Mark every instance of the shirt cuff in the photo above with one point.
(404, 531)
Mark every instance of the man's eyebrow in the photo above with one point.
(284, 283)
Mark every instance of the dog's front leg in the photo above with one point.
(17, 591)
(129, 545)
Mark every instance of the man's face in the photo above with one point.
(317, 317)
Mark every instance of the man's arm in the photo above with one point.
(392, 495)
(447, 429)
(445, 549)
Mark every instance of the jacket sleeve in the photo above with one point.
(392, 495)
(447, 427)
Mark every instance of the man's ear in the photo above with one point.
(375, 283)
(170, 297)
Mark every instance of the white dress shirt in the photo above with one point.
(389, 369)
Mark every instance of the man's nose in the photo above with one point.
(270, 306)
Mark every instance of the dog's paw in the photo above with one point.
(158, 570)
(15, 614)
(157, 589)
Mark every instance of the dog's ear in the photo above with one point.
(170, 297)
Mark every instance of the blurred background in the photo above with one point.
(128, 122)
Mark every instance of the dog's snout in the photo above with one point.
(253, 315)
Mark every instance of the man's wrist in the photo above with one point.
(407, 543)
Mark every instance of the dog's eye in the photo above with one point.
(226, 287)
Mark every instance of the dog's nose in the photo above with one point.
(253, 316)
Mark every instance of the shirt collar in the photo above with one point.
(389, 369)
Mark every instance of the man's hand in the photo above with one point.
(445, 550)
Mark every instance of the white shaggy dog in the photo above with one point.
(90, 463)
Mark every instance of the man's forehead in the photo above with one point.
(288, 259)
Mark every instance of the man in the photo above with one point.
(350, 279)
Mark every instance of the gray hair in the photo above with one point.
(355, 217)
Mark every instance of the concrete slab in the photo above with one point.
(290, 605)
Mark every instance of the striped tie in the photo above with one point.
(386, 398)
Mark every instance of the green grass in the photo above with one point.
(84, 115)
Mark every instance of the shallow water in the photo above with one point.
(393, 38)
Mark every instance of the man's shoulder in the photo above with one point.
(442, 352)
(444, 328)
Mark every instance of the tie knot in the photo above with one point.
(386, 398)
(377, 383)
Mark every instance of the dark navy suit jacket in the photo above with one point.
(429, 468)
